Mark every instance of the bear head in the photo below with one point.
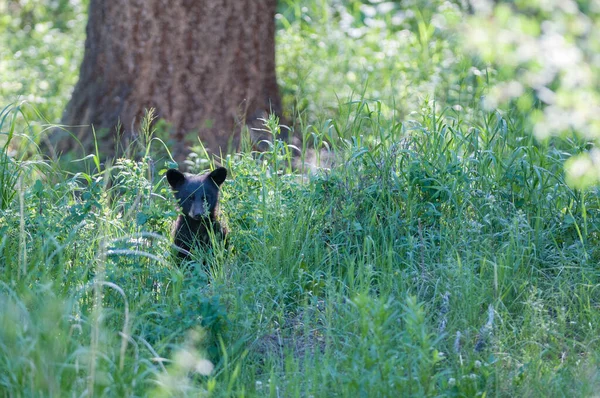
(198, 195)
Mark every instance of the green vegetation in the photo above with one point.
(441, 251)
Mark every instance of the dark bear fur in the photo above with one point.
(198, 197)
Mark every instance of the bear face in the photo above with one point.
(198, 195)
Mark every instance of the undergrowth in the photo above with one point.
(406, 247)
(439, 257)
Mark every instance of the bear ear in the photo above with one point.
(218, 175)
(175, 178)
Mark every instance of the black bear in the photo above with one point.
(198, 197)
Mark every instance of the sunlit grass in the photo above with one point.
(445, 257)
(419, 244)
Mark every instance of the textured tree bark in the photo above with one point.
(206, 66)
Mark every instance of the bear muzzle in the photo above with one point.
(198, 211)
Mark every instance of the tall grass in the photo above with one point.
(413, 244)
(441, 256)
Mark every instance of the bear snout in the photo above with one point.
(198, 211)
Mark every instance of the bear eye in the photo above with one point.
(192, 197)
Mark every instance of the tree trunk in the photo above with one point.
(206, 66)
